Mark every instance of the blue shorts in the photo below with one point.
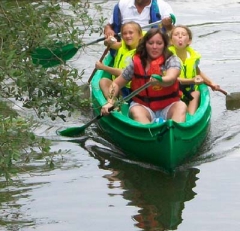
(125, 91)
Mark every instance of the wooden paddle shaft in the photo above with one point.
(220, 90)
(100, 60)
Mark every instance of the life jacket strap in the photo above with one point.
(148, 100)
(187, 93)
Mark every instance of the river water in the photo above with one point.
(91, 189)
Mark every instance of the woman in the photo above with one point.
(162, 99)
(191, 75)
(131, 34)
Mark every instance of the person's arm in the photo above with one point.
(114, 89)
(196, 80)
(207, 80)
(173, 69)
(108, 30)
(167, 23)
(185, 81)
(112, 43)
(166, 11)
(111, 70)
(170, 77)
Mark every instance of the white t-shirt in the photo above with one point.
(129, 12)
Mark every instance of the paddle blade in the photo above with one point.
(76, 131)
(51, 57)
(233, 101)
(72, 131)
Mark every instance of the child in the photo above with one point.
(191, 75)
(131, 33)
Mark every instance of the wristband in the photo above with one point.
(157, 77)
(112, 40)
(173, 18)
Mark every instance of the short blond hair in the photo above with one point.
(134, 24)
(189, 32)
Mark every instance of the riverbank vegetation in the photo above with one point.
(50, 92)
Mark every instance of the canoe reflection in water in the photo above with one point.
(159, 196)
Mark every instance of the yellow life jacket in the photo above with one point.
(189, 67)
(123, 58)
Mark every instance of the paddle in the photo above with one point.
(74, 131)
(85, 87)
(232, 99)
(220, 90)
(49, 57)
(100, 60)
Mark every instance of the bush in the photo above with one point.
(26, 26)
(51, 92)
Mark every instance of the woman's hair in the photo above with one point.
(135, 25)
(189, 32)
(142, 51)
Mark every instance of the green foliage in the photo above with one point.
(18, 143)
(55, 92)
(25, 26)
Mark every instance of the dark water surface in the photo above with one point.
(92, 189)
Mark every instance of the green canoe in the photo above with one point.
(166, 145)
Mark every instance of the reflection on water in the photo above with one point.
(11, 197)
(159, 197)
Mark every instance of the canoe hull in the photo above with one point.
(167, 145)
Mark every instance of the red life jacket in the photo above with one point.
(155, 97)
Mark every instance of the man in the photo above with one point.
(140, 11)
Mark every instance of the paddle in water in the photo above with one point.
(75, 131)
(232, 99)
